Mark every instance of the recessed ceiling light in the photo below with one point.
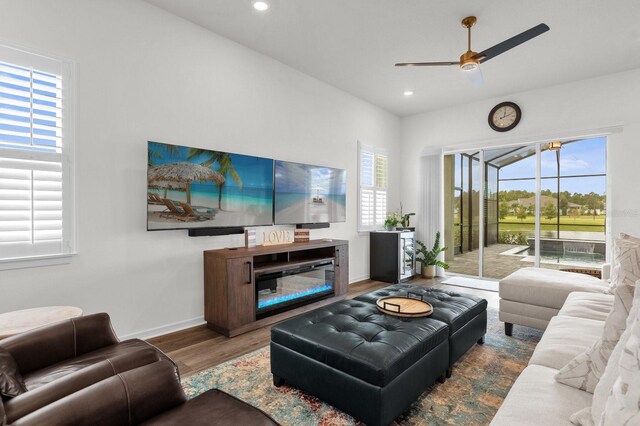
(408, 93)
(261, 5)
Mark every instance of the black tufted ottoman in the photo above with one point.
(367, 364)
(465, 314)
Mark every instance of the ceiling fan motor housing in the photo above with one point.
(468, 62)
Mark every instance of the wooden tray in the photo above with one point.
(408, 307)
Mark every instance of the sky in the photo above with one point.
(583, 157)
(16, 112)
(306, 179)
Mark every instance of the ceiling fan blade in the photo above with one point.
(425, 64)
(514, 41)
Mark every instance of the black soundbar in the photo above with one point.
(312, 225)
(208, 232)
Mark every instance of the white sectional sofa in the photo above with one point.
(536, 398)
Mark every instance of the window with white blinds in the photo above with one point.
(36, 196)
(372, 195)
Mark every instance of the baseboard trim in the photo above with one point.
(358, 279)
(164, 329)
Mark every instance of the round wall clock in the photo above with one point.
(504, 116)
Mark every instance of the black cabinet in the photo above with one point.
(392, 256)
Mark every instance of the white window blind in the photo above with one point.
(36, 197)
(372, 195)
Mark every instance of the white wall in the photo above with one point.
(147, 75)
(560, 111)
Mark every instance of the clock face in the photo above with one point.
(504, 116)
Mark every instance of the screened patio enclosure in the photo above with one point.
(569, 183)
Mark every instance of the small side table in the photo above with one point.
(17, 322)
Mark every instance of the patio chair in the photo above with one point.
(191, 212)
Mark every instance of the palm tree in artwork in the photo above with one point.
(157, 152)
(225, 166)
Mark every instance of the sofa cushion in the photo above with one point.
(565, 338)
(586, 369)
(355, 338)
(453, 308)
(11, 383)
(547, 287)
(537, 399)
(35, 379)
(594, 306)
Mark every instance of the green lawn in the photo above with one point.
(567, 223)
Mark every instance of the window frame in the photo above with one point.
(29, 57)
(376, 151)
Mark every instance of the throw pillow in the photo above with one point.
(582, 417)
(612, 371)
(584, 371)
(11, 383)
(612, 281)
(623, 405)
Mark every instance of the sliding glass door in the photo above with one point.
(542, 205)
(510, 186)
(572, 205)
(462, 212)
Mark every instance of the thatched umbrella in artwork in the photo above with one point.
(184, 172)
(166, 186)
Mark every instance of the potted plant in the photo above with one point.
(404, 219)
(391, 221)
(429, 258)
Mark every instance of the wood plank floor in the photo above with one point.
(199, 348)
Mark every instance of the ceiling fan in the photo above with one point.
(470, 61)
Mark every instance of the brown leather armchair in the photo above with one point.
(147, 395)
(63, 358)
(3, 416)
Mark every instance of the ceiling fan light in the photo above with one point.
(469, 66)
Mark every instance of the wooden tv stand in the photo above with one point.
(229, 281)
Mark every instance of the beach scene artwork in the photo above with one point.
(200, 188)
(309, 194)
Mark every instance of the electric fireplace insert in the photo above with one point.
(277, 291)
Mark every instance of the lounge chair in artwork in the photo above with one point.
(175, 212)
(154, 199)
(191, 212)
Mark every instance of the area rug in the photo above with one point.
(472, 283)
(480, 381)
